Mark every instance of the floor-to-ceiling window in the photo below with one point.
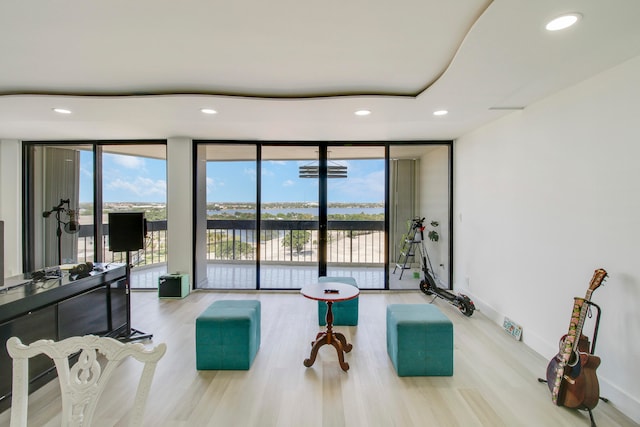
(289, 211)
(231, 243)
(280, 214)
(419, 188)
(281, 209)
(134, 179)
(70, 189)
(356, 200)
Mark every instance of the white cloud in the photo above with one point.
(86, 173)
(213, 184)
(129, 162)
(251, 173)
(140, 186)
(288, 183)
(369, 188)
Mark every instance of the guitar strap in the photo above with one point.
(569, 346)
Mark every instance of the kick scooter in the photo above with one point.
(428, 284)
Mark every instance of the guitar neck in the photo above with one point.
(578, 316)
(578, 330)
(569, 344)
(575, 329)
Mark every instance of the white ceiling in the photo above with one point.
(290, 69)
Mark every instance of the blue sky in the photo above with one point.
(138, 179)
(126, 179)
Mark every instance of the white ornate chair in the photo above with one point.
(82, 384)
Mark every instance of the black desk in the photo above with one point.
(58, 308)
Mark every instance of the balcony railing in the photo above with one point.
(286, 241)
(155, 250)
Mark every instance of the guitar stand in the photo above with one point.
(596, 326)
(593, 421)
(593, 348)
(591, 418)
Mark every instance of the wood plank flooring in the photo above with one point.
(494, 382)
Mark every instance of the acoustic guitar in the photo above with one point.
(571, 374)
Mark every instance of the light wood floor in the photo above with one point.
(494, 382)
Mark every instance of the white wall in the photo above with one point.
(434, 205)
(545, 196)
(11, 204)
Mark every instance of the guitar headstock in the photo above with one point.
(598, 278)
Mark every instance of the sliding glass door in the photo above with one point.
(419, 188)
(231, 245)
(278, 215)
(70, 189)
(134, 179)
(356, 214)
(289, 211)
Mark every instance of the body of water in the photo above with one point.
(309, 211)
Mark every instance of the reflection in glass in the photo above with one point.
(419, 188)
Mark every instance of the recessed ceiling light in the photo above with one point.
(562, 22)
(208, 111)
(61, 110)
(362, 113)
(440, 113)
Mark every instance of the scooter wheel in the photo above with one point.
(465, 309)
(465, 306)
(424, 287)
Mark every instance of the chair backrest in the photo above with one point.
(82, 384)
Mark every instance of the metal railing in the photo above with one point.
(286, 241)
(291, 241)
(154, 252)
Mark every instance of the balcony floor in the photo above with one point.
(243, 276)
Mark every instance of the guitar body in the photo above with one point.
(584, 345)
(581, 391)
(552, 372)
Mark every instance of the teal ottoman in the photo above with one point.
(345, 313)
(228, 335)
(419, 340)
